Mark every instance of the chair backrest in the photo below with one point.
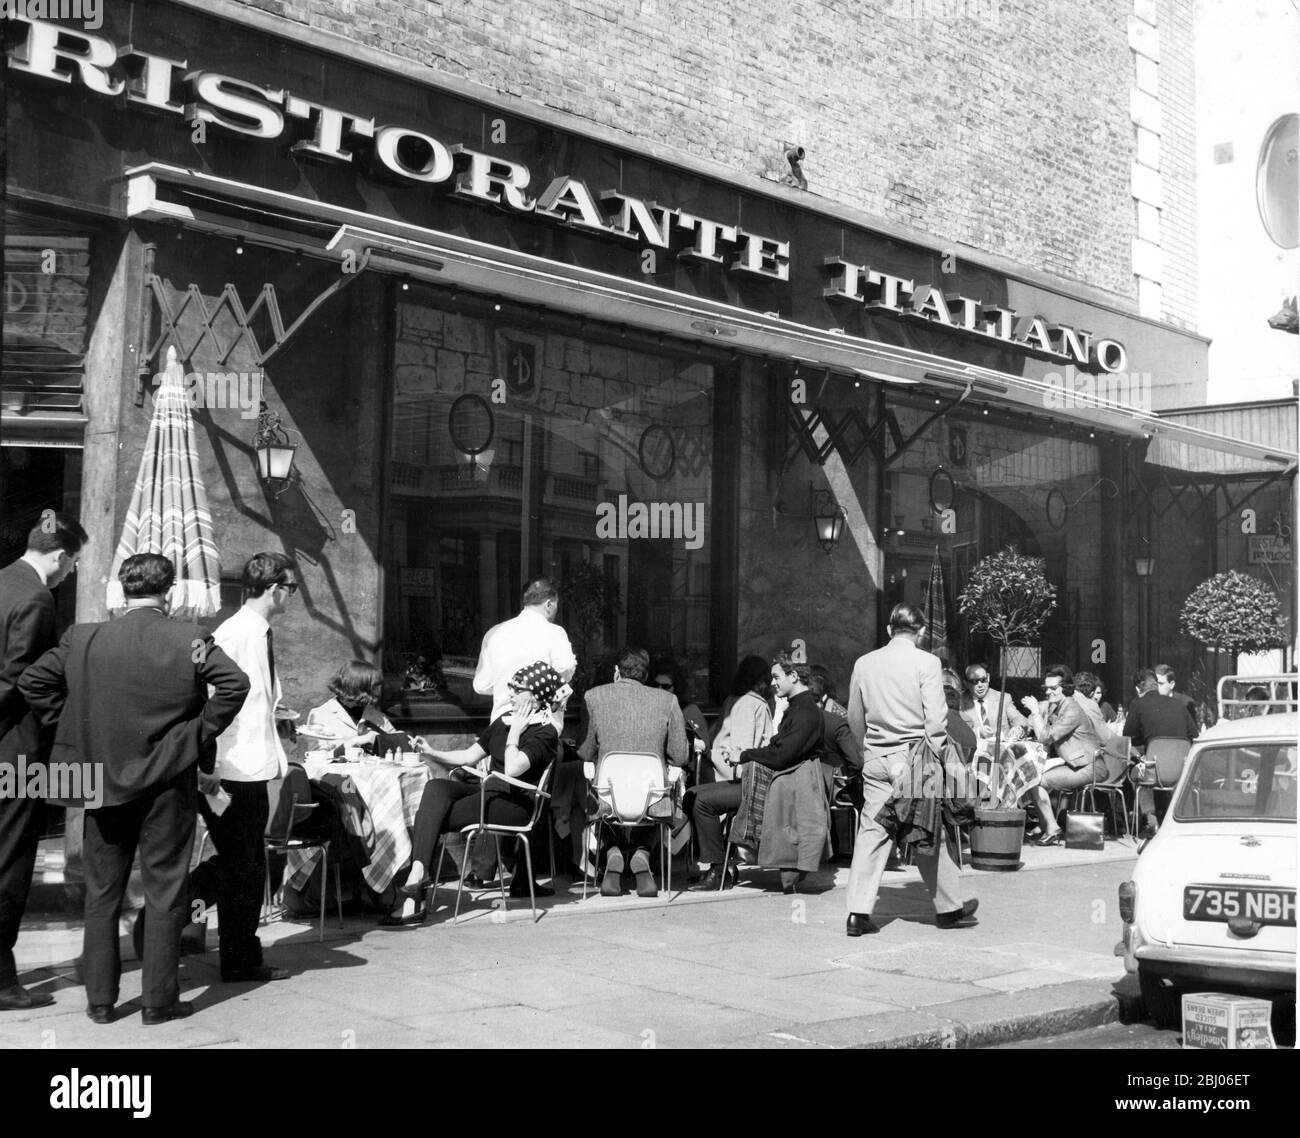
(292, 817)
(626, 780)
(541, 797)
(1167, 754)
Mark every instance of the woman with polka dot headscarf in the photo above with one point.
(520, 744)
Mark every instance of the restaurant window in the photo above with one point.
(517, 454)
(1008, 484)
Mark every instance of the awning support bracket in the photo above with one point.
(228, 300)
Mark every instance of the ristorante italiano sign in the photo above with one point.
(395, 151)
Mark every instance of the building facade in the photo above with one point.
(529, 295)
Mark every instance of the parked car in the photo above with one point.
(1211, 905)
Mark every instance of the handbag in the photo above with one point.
(1084, 830)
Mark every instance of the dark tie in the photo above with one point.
(270, 658)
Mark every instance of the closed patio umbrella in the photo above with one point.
(169, 505)
(935, 607)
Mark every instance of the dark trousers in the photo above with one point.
(21, 822)
(160, 824)
(706, 804)
(448, 805)
(234, 880)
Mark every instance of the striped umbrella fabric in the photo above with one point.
(935, 607)
(169, 506)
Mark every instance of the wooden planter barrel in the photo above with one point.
(995, 839)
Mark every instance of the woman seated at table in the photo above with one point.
(520, 744)
(352, 717)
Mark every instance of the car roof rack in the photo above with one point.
(1258, 695)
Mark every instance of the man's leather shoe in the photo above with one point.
(258, 975)
(16, 998)
(99, 1013)
(179, 1010)
(958, 918)
(611, 885)
(713, 880)
(645, 882)
(859, 924)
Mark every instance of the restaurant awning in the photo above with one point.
(234, 209)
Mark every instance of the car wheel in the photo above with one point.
(1164, 1004)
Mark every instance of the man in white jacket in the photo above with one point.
(249, 756)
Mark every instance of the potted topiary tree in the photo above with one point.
(1234, 613)
(1007, 598)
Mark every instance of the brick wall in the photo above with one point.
(1178, 162)
(1006, 128)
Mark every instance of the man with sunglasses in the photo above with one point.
(249, 756)
(982, 714)
(1071, 739)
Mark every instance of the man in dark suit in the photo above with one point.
(131, 697)
(27, 629)
(1155, 714)
(628, 716)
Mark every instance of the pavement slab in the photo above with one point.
(748, 967)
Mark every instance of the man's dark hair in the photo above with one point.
(905, 618)
(263, 571)
(668, 666)
(1063, 673)
(1086, 682)
(1165, 672)
(146, 575)
(540, 590)
(819, 680)
(802, 671)
(634, 664)
(752, 672)
(53, 531)
(1144, 679)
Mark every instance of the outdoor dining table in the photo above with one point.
(390, 791)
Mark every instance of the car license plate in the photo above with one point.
(1223, 902)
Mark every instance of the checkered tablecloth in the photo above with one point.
(1019, 771)
(391, 793)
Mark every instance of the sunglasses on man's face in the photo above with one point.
(980, 680)
(288, 586)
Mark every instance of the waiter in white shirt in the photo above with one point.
(521, 640)
(249, 756)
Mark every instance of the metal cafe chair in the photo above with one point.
(1161, 766)
(497, 831)
(300, 812)
(631, 789)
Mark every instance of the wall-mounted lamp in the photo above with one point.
(274, 451)
(829, 517)
(1145, 566)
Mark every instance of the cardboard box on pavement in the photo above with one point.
(1215, 1021)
